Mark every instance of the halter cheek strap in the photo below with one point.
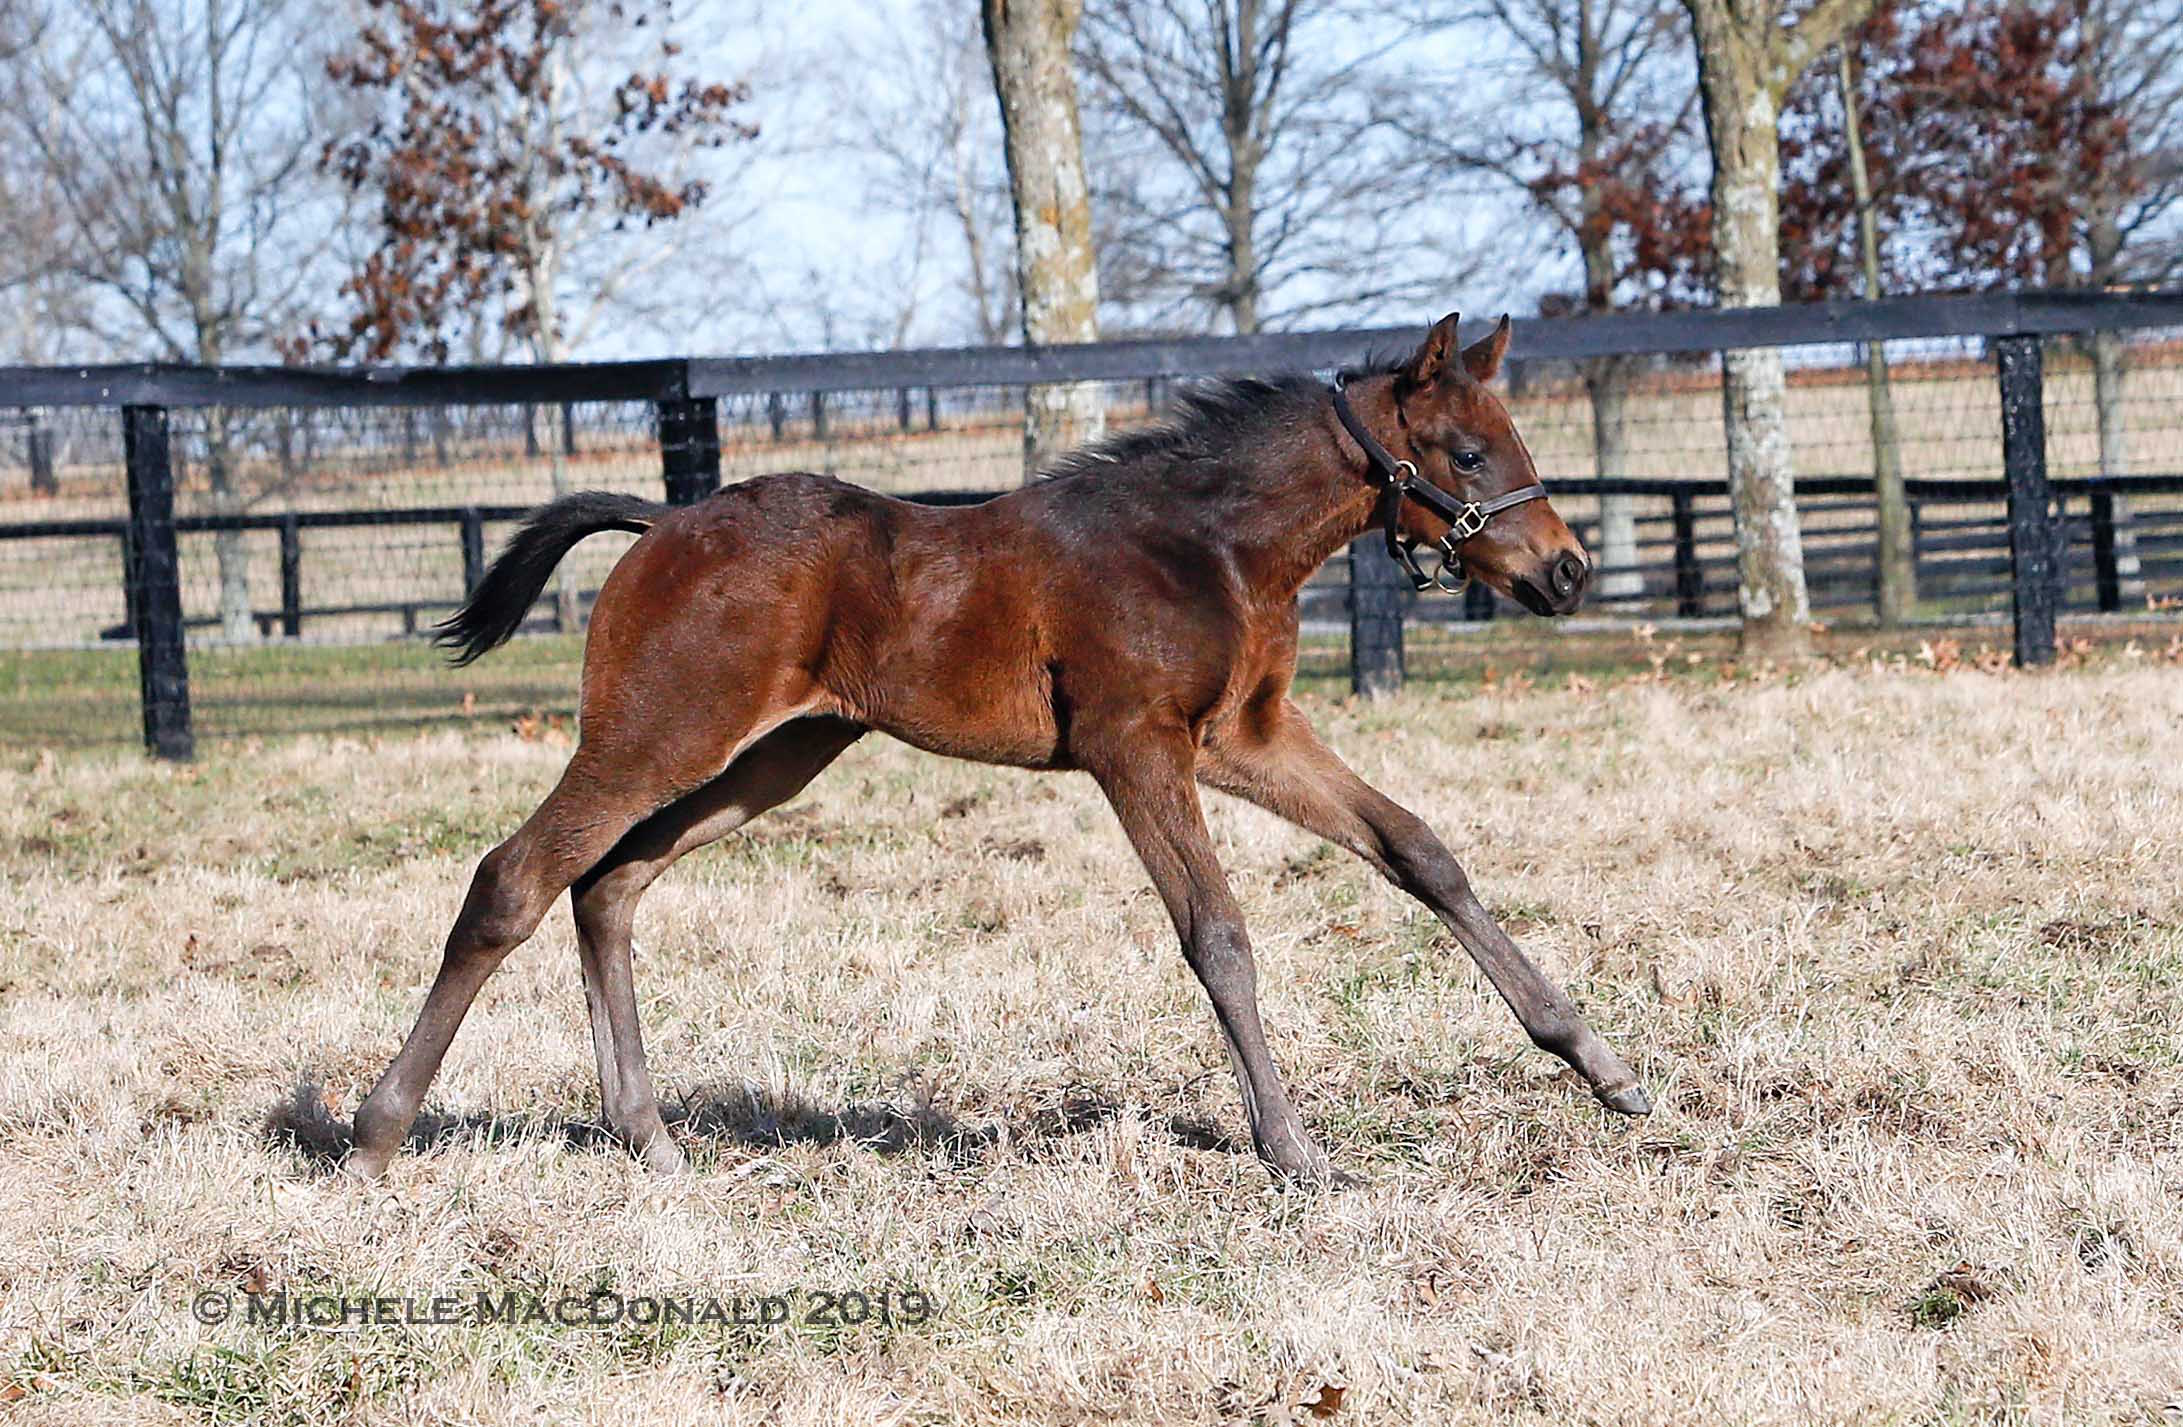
(1398, 480)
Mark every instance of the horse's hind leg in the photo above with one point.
(579, 822)
(769, 773)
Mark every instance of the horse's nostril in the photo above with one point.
(1569, 573)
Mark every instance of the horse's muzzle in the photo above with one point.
(1557, 587)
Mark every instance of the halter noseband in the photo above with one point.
(1399, 479)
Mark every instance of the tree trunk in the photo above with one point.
(546, 342)
(991, 316)
(1028, 43)
(1607, 381)
(1242, 295)
(2107, 379)
(566, 616)
(1742, 122)
(1239, 84)
(230, 548)
(1898, 557)
(1898, 568)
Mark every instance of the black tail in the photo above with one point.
(496, 608)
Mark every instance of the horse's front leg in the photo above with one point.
(1148, 780)
(1283, 767)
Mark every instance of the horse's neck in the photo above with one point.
(1307, 504)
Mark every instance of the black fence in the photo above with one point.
(261, 549)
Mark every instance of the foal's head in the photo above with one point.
(1466, 444)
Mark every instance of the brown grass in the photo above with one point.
(1898, 951)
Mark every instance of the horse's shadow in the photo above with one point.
(745, 1117)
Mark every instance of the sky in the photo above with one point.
(804, 253)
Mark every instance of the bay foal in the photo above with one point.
(1132, 616)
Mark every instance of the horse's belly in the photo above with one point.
(990, 726)
(991, 704)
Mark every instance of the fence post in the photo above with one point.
(932, 408)
(2106, 575)
(776, 413)
(2034, 561)
(1377, 591)
(1477, 602)
(902, 407)
(42, 479)
(473, 551)
(1689, 577)
(155, 575)
(818, 415)
(291, 575)
(689, 448)
(128, 580)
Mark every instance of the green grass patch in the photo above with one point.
(75, 698)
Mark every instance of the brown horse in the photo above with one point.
(1133, 616)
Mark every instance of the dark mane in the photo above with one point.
(1207, 420)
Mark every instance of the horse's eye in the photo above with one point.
(1469, 460)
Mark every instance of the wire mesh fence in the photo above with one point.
(317, 544)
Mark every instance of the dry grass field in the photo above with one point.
(1899, 951)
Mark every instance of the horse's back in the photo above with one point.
(991, 632)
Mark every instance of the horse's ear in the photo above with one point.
(1432, 358)
(1482, 358)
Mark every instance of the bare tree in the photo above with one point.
(2065, 176)
(1749, 51)
(1253, 181)
(1028, 44)
(1898, 592)
(929, 142)
(169, 147)
(2135, 53)
(1604, 151)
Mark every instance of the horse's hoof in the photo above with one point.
(664, 1158)
(1318, 1173)
(1629, 1099)
(365, 1167)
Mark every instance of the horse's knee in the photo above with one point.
(501, 910)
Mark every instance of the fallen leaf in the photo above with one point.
(1660, 989)
(1969, 1282)
(1327, 1402)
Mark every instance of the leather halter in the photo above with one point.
(1399, 479)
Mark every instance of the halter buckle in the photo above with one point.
(1447, 573)
(1468, 522)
